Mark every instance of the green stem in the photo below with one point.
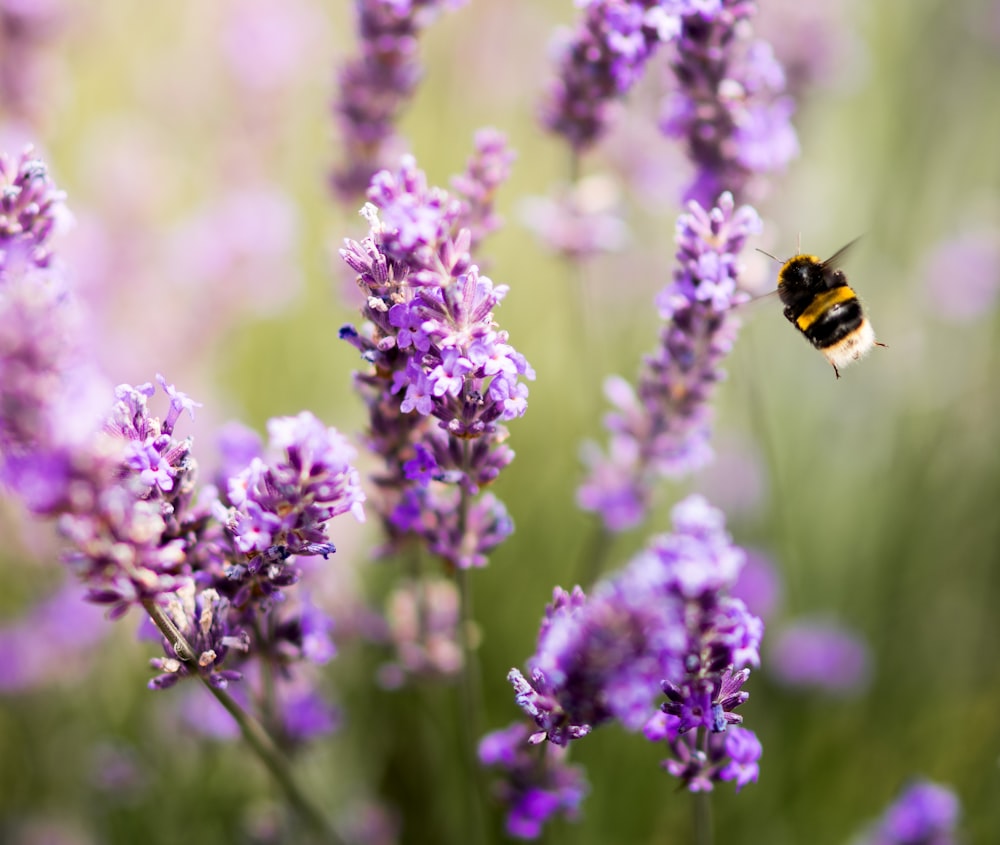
(471, 675)
(702, 818)
(594, 555)
(253, 732)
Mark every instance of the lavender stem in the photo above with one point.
(702, 818)
(259, 740)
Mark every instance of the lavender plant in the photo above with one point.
(210, 567)
(665, 625)
(444, 377)
(662, 427)
(374, 87)
(728, 106)
(925, 813)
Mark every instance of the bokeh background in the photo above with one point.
(194, 141)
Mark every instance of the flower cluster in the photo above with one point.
(30, 208)
(488, 168)
(537, 783)
(374, 87)
(729, 107)
(601, 61)
(208, 567)
(662, 428)
(436, 354)
(666, 623)
(26, 31)
(925, 813)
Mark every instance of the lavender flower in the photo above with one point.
(821, 655)
(661, 429)
(666, 623)
(25, 30)
(729, 107)
(961, 276)
(51, 643)
(582, 221)
(488, 168)
(210, 569)
(537, 784)
(30, 209)
(423, 618)
(600, 62)
(437, 354)
(374, 87)
(925, 813)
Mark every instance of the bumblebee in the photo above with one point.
(820, 304)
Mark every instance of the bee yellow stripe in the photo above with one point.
(823, 303)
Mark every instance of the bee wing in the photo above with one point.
(834, 261)
(754, 298)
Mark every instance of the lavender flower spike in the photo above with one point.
(665, 624)
(730, 107)
(30, 208)
(437, 354)
(661, 428)
(925, 813)
(534, 787)
(601, 61)
(374, 87)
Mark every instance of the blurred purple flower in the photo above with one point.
(661, 429)
(27, 27)
(584, 220)
(487, 170)
(925, 813)
(265, 42)
(759, 585)
(729, 107)
(374, 87)
(31, 208)
(535, 786)
(51, 643)
(600, 61)
(820, 655)
(423, 619)
(962, 276)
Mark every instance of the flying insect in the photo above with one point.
(822, 305)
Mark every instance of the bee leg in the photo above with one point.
(835, 370)
(883, 345)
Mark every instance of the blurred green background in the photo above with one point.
(876, 496)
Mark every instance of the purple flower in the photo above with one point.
(821, 655)
(601, 60)
(759, 585)
(423, 620)
(30, 208)
(279, 508)
(203, 618)
(583, 220)
(961, 276)
(437, 355)
(52, 642)
(661, 428)
(26, 28)
(373, 88)
(665, 623)
(729, 107)
(487, 170)
(535, 787)
(925, 813)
